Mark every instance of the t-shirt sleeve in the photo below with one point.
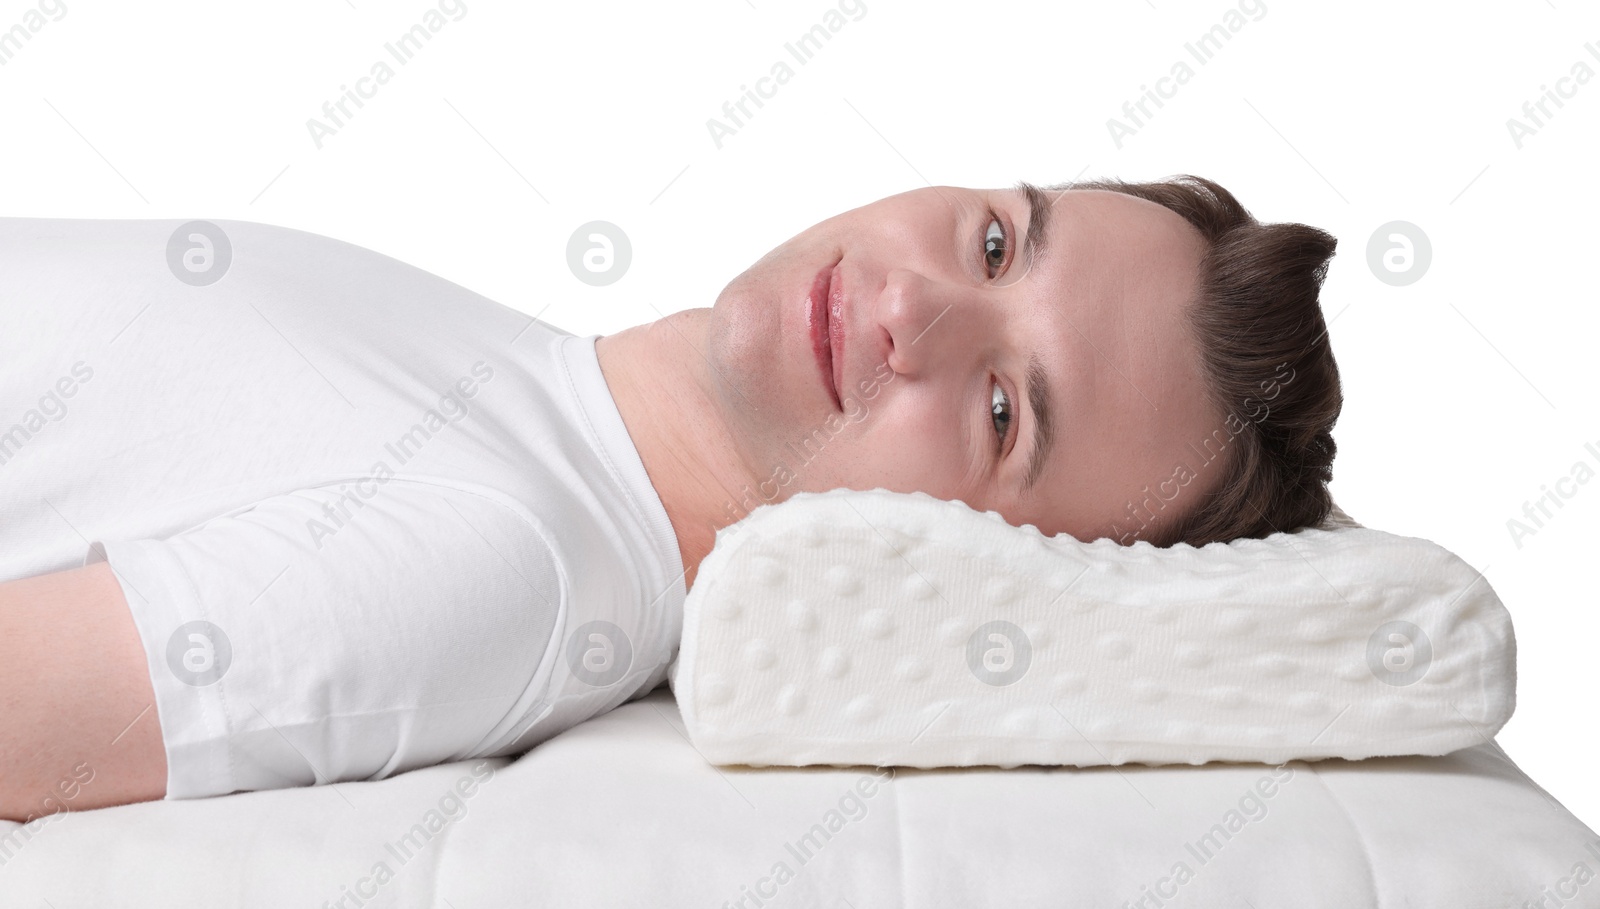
(344, 632)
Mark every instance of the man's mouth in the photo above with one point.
(820, 320)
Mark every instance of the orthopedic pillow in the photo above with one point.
(882, 628)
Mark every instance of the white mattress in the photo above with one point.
(621, 811)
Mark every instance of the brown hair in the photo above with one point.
(1258, 324)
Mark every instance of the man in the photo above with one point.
(323, 516)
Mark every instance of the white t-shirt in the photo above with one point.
(366, 520)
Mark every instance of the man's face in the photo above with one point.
(939, 312)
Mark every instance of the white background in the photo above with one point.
(1467, 392)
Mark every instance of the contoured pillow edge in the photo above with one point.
(793, 654)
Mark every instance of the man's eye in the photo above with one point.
(994, 247)
(1000, 414)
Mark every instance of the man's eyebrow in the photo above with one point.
(1043, 430)
(1035, 243)
(1034, 246)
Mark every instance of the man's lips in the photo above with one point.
(836, 326)
(821, 321)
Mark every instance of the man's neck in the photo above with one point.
(658, 374)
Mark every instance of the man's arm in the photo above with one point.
(78, 724)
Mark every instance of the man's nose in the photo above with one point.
(918, 314)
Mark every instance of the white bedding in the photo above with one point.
(621, 811)
(875, 627)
